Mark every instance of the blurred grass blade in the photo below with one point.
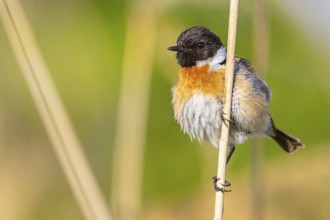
(260, 43)
(133, 110)
(51, 110)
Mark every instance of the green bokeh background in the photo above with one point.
(83, 42)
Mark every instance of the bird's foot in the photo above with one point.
(225, 120)
(220, 189)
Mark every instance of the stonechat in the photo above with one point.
(199, 94)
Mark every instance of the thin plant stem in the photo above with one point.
(56, 121)
(223, 142)
(132, 114)
(260, 43)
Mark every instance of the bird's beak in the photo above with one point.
(174, 48)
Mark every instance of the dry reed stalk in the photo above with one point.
(133, 109)
(55, 119)
(260, 42)
(2, 130)
(223, 142)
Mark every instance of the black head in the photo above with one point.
(196, 44)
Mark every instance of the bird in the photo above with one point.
(198, 96)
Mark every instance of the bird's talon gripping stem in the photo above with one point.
(224, 119)
(219, 189)
(227, 183)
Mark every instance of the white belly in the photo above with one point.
(200, 118)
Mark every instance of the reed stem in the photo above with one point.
(223, 142)
(52, 112)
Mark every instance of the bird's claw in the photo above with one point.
(220, 189)
(225, 120)
(226, 183)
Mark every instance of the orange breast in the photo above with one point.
(198, 79)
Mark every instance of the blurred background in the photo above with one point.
(92, 49)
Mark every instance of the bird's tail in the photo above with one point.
(286, 141)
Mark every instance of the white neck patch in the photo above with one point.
(215, 61)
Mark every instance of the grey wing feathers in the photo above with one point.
(260, 86)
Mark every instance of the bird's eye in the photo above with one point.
(200, 45)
